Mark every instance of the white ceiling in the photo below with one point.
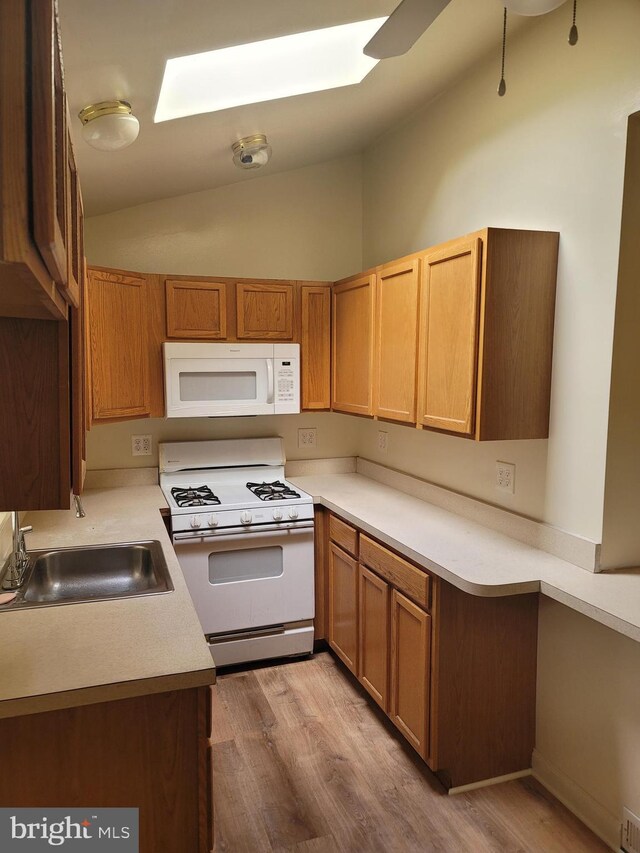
(118, 48)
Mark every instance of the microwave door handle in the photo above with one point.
(270, 381)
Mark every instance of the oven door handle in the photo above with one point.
(242, 531)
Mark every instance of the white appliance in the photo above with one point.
(227, 380)
(244, 539)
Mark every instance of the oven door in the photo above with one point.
(216, 380)
(249, 579)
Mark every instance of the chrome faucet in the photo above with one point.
(18, 561)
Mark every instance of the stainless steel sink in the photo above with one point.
(93, 573)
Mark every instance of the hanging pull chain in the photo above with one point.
(502, 88)
(573, 32)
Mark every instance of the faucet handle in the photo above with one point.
(22, 532)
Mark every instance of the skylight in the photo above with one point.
(266, 70)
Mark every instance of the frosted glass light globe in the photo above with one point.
(111, 132)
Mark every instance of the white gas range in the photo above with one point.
(244, 539)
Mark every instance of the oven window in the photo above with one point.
(230, 385)
(245, 565)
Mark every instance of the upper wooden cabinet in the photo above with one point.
(315, 346)
(353, 337)
(449, 306)
(481, 324)
(265, 311)
(118, 332)
(396, 342)
(486, 334)
(35, 166)
(196, 309)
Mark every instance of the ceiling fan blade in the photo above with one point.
(404, 27)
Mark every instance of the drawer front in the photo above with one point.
(343, 535)
(413, 582)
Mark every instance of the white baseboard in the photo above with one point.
(592, 813)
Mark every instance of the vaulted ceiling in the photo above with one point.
(118, 49)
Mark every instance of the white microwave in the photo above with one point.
(229, 380)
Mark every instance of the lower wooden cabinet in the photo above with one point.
(343, 606)
(373, 635)
(410, 670)
(456, 673)
(148, 752)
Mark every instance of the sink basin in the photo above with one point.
(94, 573)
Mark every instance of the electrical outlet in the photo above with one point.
(383, 441)
(506, 477)
(307, 437)
(630, 832)
(141, 445)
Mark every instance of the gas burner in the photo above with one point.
(194, 496)
(276, 491)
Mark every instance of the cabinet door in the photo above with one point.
(449, 303)
(373, 635)
(315, 347)
(353, 324)
(196, 309)
(396, 347)
(49, 143)
(343, 606)
(265, 311)
(119, 350)
(410, 670)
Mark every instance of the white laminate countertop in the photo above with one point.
(474, 558)
(68, 655)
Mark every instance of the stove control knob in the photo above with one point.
(196, 521)
(293, 512)
(246, 518)
(213, 520)
(277, 515)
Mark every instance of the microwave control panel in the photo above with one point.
(287, 383)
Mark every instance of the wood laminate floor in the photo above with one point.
(303, 761)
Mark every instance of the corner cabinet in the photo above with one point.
(315, 346)
(353, 339)
(117, 324)
(455, 673)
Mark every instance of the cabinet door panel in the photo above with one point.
(343, 606)
(373, 663)
(353, 327)
(396, 350)
(196, 309)
(119, 349)
(410, 670)
(265, 311)
(449, 299)
(315, 347)
(49, 143)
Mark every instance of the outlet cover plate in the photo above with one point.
(630, 832)
(308, 437)
(383, 441)
(141, 445)
(506, 477)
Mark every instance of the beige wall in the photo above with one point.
(109, 446)
(588, 729)
(301, 224)
(304, 224)
(549, 155)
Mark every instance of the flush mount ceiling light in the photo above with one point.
(251, 152)
(265, 70)
(109, 125)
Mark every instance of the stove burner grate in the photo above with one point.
(194, 496)
(276, 491)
